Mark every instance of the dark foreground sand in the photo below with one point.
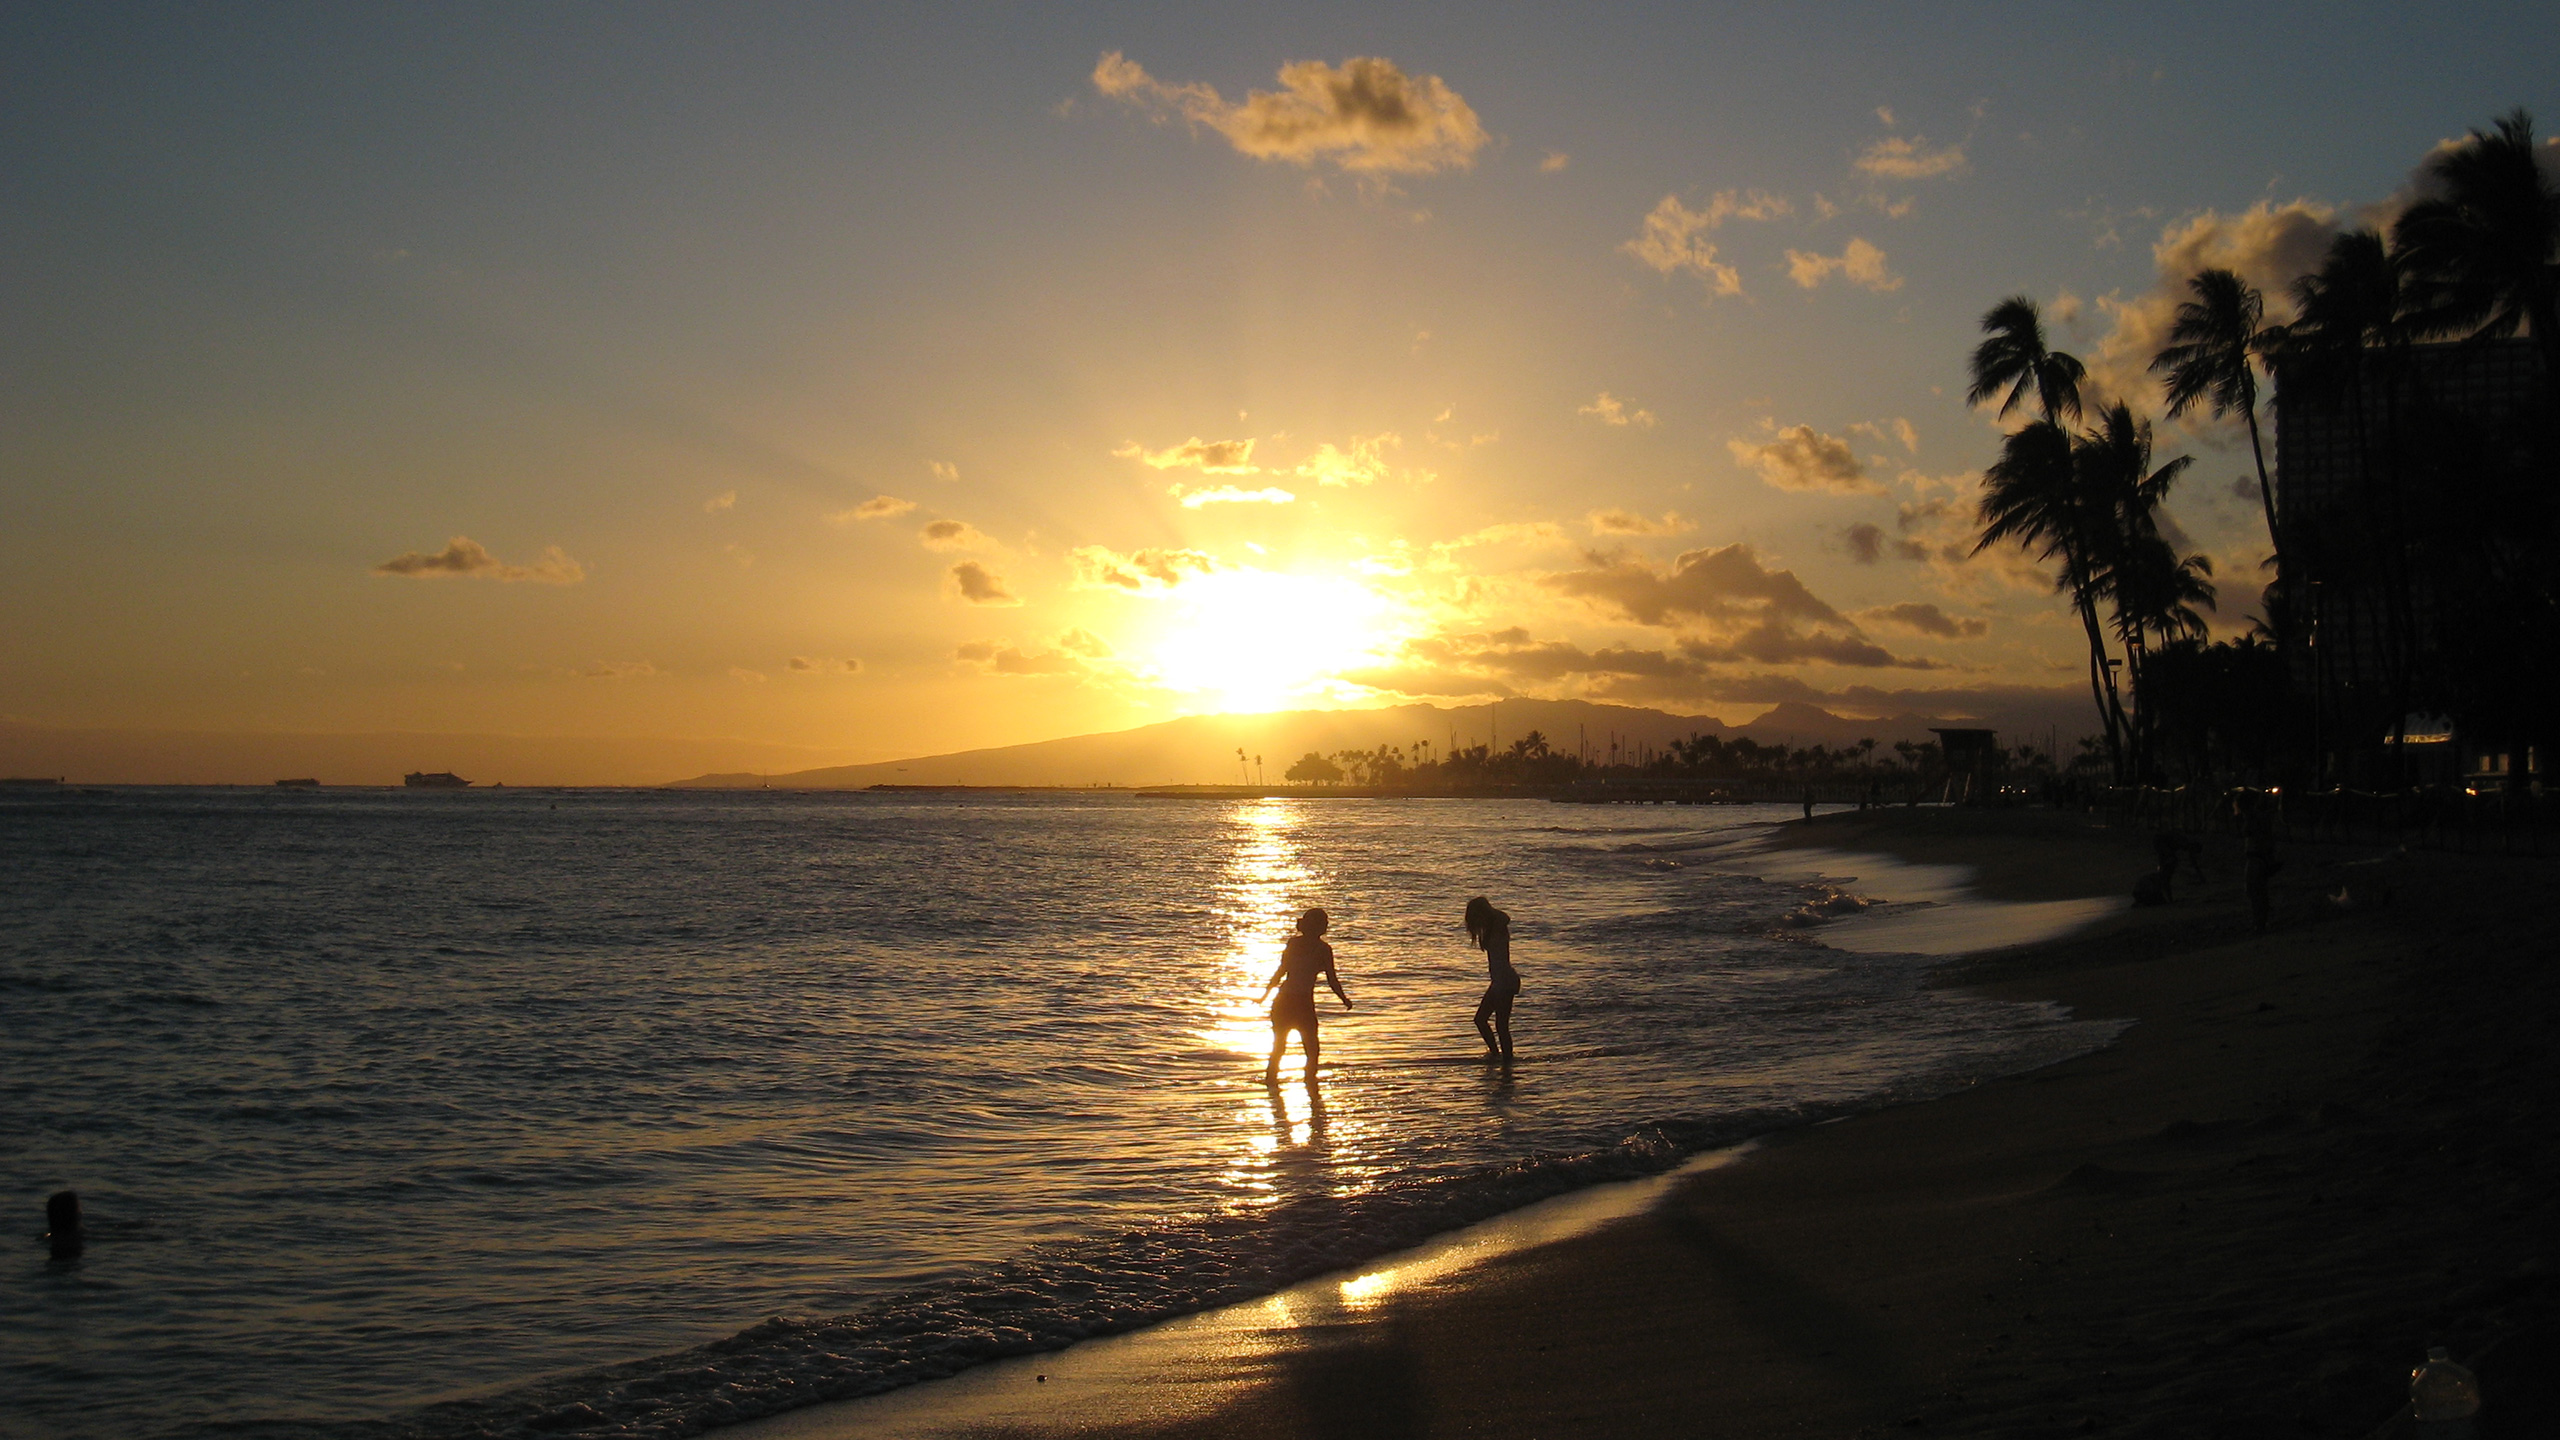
(2317, 1153)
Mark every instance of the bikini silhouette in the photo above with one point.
(1491, 930)
(1303, 961)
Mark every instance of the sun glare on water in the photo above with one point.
(1248, 640)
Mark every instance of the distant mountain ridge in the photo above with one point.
(1201, 749)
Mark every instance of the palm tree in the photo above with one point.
(2210, 358)
(2113, 459)
(2156, 595)
(2121, 494)
(2482, 250)
(2033, 495)
(2013, 356)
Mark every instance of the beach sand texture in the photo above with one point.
(2317, 1153)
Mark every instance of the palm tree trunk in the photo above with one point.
(2136, 771)
(2102, 683)
(2266, 490)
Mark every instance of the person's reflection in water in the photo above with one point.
(1303, 961)
(1491, 930)
(1287, 1128)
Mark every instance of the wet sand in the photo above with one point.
(2315, 1154)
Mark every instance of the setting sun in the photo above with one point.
(1247, 640)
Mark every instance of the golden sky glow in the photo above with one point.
(845, 386)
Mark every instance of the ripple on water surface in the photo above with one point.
(380, 1100)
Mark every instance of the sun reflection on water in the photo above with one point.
(1257, 904)
(1284, 1135)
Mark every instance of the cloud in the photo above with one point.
(1925, 619)
(979, 585)
(1363, 464)
(1865, 542)
(878, 507)
(741, 672)
(1802, 458)
(1899, 428)
(1783, 645)
(943, 470)
(614, 670)
(812, 665)
(1860, 264)
(1365, 115)
(464, 557)
(997, 659)
(1610, 410)
(1509, 662)
(1076, 653)
(1080, 641)
(1627, 522)
(1144, 571)
(1672, 239)
(952, 535)
(1724, 586)
(1232, 495)
(1555, 160)
(725, 500)
(1895, 158)
(1214, 457)
(1502, 663)
(2268, 245)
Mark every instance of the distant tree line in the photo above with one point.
(1906, 770)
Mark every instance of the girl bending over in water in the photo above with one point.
(1303, 961)
(1491, 930)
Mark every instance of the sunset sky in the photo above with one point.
(891, 380)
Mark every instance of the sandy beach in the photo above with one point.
(2314, 1154)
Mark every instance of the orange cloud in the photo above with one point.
(465, 558)
(1213, 457)
(1365, 116)
(979, 585)
(1860, 264)
(1608, 409)
(1895, 158)
(1801, 458)
(878, 507)
(952, 535)
(1100, 568)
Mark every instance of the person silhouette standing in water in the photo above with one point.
(1303, 961)
(1491, 930)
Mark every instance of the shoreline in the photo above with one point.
(2264, 1200)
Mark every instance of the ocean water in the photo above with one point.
(510, 1112)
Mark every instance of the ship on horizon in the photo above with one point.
(434, 780)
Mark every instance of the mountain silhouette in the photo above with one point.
(1201, 749)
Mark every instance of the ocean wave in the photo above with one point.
(1045, 1300)
(1058, 1294)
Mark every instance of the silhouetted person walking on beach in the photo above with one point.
(1303, 961)
(2171, 846)
(1491, 930)
(2262, 864)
